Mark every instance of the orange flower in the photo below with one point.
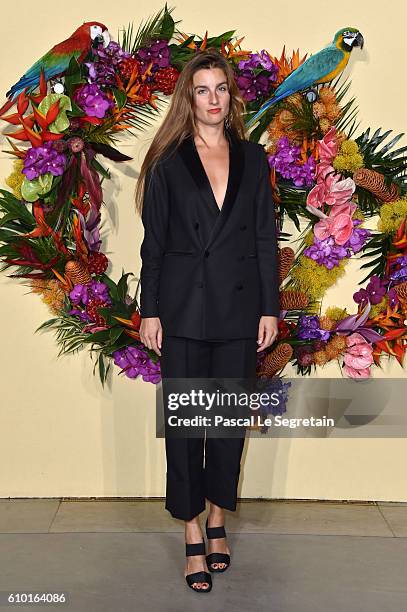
(227, 48)
(286, 65)
(131, 325)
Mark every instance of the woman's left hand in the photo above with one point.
(268, 331)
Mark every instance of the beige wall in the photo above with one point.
(62, 434)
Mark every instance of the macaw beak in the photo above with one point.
(106, 38)
(359, 40)
(96, 41)
(101, 38)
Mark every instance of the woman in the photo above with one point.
(209, 281)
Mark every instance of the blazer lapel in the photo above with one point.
(194, 165)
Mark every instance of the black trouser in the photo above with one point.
(189, 481)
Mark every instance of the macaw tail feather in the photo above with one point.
(16, 89)
(31, 80)
(52, 64)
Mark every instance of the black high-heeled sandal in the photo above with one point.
(192, 550)
(216, 557)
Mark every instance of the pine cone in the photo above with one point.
(401, 291)
(77, 272)
(276, 360)
(291, 299)
(286, 257)
(374, 182)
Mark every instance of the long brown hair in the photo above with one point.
(179, 122)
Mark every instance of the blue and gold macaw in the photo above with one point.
(322, 67)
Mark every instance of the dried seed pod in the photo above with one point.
(292, 299)
(401, 291)
(374, 182)
(286, 257)
(276, 360)
(77, 272)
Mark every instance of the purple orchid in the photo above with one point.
(135, 361)
(158, 53)
(79, 294)
(43, 159)
(303, 174)
(279, 387)
(392, 296)
(262, 59)
(81, 314)
(287, 162)
(82, 293)
(373, 294)
(309, 328)
(358, 237)
(103, 70)
(327, 253)
(253, 86)
(92, 100)
(399, 269)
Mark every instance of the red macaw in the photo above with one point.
(56, 61)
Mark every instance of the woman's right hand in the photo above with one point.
(151, 333)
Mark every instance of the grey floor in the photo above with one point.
(128, 555)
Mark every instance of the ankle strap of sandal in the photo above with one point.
(215, 532)
(195, 549)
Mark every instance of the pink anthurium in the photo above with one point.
(338, 224)
(328, 146)
(340, 190)
(358, 356)
(333, 190)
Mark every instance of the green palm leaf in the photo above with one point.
(160, 25)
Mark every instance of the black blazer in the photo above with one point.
(209, 273)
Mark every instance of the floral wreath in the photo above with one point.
(319, 172)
